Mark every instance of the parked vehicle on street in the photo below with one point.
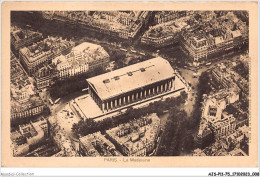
(123, 49)
(57, 101)
(51, 102)
(208, 64)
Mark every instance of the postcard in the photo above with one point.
(129, 84)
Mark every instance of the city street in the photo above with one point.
(163, 119)
(188, 77)
(64, 121)
(187, 74)
(66, 118)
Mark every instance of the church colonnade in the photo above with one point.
(133, 96)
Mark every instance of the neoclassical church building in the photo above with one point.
(134, 84)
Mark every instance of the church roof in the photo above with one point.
(132, 77)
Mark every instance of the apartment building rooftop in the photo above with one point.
(167, 29)
(28, 131)
(124, 23)
(137, 134)
(215, 31)
(96, 144)
(19, 34)
(31, 102)
(23, 95)
(17, 138)
(47, 47)
(82, 55)
(21, 38)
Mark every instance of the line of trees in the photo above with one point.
(243, 70)
(89, 126)
(171, 143)
(202, 88)
(178, 138)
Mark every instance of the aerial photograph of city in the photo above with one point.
(129, 83)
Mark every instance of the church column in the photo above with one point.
(157, 89)
(119, 103)
(133, 97)
(173, 84)
(153, 91)
(128, 98)
(90, 93)
(141, 94)
(99, 104)
(107, 105)
(103, 107)
(124, 100)
(111, 104)
(136, 96)
(149, 92)
(165, 86)
(94, 97)
(115, 102)
(161, 88)
(145, 93)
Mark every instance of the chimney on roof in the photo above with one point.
(106, 81)
(142, 69)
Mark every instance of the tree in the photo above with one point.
(184, 96)
(175, 130)
(203, 88)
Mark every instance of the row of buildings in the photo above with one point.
(224, 76)
(83, 58)
(218, 122)
(42, 53)
(28, 136)
(36, 53)
(97, 145)
(168, 27)
(217, 35)
(215, 123)
(200, 34)
(235, 144)
(122, 24)
(165, 16)
(135, 138)
(24, 99)
(51, 58)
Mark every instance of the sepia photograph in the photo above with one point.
(130, 83)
